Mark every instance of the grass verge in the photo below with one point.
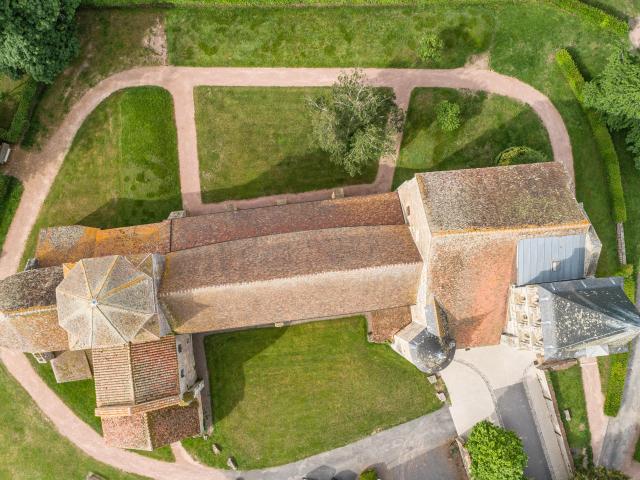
(569, 391)
(30, 446)
(282, 394)
(259, 141)
(10, 194)
(489, 124)
(122, 168)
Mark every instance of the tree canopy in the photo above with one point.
(496, 453)
(355, 122)
(616, 93)
(37, 37)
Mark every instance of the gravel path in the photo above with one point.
(38, 170)
(594, 399)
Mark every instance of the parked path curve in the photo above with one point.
(38, 170)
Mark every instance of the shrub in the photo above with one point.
(518, 155)
(448, 116)
(615, 383)
(594, 15)
(601, 135)
(21, 118)
(599, 473)
(430, 47)
(496, 453)
(10, 193)
(368, 474)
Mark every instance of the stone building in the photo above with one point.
(441, 262)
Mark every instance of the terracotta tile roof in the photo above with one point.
(71, 366)
(287, 256)
(382, 209)
(58, 245)
(498, 198)
(136, 373)
(28, 315)
(151, 238)
(149, 430)
(384, 324)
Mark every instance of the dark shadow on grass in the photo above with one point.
(294, 174)
(228, 380)
(125, 212)
(607, 8)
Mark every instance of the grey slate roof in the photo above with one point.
(580, 316)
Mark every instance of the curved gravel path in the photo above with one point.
(38, 170)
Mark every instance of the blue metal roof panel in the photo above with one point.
(536, 258)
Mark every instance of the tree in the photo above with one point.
(37, 37)
(430, 47)
(355, 123)
(599, 473)
(518, 155)
(496, 453)
(616, 93)
(448, 116)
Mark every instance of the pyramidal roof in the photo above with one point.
(109, 301)
(583, 314)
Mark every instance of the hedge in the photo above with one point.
(21, 118)
(615, 383)
(10, 193)
(519, 154)
(601, 135)
(593, 15)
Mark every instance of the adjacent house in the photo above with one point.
(451, 260)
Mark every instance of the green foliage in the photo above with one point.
(21, 117)
(599, 473)
(496, 453)
(615, 383)
(368, 474)
(520, 154)
(448, 116)
(37, 37)
(430, 47)
(593, 15)
(10, 193)
(583, 92)
(354, 122)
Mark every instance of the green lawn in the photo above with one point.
(619, 8)
(10, 92)
(110, 41)
(281, 394)
(569, 391)
(122, 168)
(259, 141)
(10, 193)
(489, 124)
(31, 449)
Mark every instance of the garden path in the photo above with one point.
(37, 170)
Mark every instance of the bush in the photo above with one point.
(518, 155)
(21, 118)
(599, 473)
(10, 193)
(601, 135)
(496, 453)
(448, 116)
(594, 15)
(615, 383)
(368, 474)
(430, 47)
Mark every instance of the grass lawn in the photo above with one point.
(569, 391)
(110, 41)
(10, 193)
(122, 168)
(281, 394)
(489, 124)
(613, 371)
(619, 8)
(259, 141)
(30, 446)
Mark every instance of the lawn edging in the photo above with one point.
(22, 116)
(10, 193)
(604, 142)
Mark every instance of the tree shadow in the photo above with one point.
(294, 174)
